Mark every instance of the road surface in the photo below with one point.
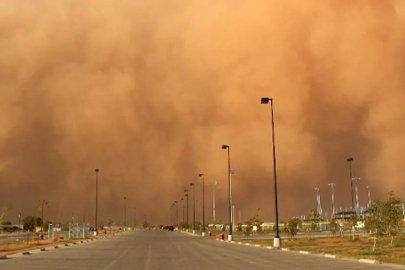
(174, 250)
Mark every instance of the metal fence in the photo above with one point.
(75, 231)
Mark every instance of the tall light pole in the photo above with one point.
(355, 180)
(134, 217)
(186, 194)
(125, 212)
(277, 240)
(177, 214)
(203, 204)
(369, 196)
(350, 160)
(193, 185)
(230, 236)
(171, 214)
(214, 184)
(95, 223)
(332, 185)
(43, 204)
(182, 199)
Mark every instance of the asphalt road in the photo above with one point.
(173, 250)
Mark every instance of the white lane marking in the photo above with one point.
(148, 257)
(114, 261)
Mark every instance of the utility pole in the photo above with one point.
(213, 201)
(43, 203)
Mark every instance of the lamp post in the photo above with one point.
(332, 185)
(351, 179)
(177, 214)
(186, 194)
(369, 196)
(95, 223)
(193, 185)
(134, 217)
(214, 184)
(171, 214)
(182, 220)
(125, 212)
(19, 220)
(203, 203)
(277, 240)
(230, 236)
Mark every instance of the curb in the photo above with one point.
(369, 261)
(307, 252)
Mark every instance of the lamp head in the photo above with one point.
(350, 159)
(265, 100)
(97, 170)
(225, 146)
(191, 184)
(200, 174)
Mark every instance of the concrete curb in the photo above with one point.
(307, 252)
(369, 261)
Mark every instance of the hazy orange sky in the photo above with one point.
(148, 91)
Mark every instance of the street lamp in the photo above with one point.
(134, 217)
(186, 194)
(95, 223)
(351, 179)
(203, 202)
(193, 185)
(214, 184)
(277, 240)
(125, 212)
(177, 214)
(230, 236)
(332, 185)
(171, 214)
(182, 220)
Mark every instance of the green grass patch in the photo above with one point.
(360, 248)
